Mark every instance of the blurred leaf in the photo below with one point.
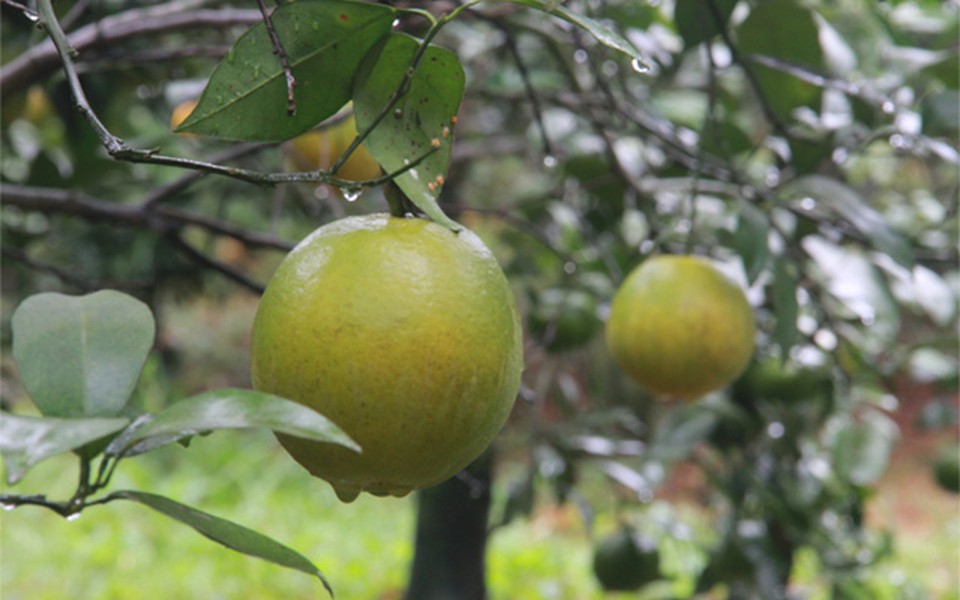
(228, 409)
(786, 308)
(681, 430)
(846, 202)
(81, 355)
(862, 449)
(696, 22)
(25, 441)
(941, 113)
(233, 536)
(750, 239)
(246, 98)
(806, 156)
(938, 414)
(725, 139)
(421, 122)
(520, 499)
(787, 31)
(603, 34)
(946, 70)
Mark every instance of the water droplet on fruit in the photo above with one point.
(569, 267)
(351, 194)
(580, 56)
(888, 107)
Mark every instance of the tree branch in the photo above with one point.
(153, 217)
(282, 55)
(70, 276)
(41, 60)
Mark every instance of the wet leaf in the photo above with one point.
(25, 441)
(228, 409)
(420, 124)
(81, 355)
(233, 536)
(246, 98)
(601, 32)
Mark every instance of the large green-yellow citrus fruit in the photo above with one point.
(403, 333)
(321, 148)
(680, 328)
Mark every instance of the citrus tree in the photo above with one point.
(783, 172)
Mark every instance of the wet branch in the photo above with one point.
(282, 55)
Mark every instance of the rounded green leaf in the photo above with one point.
(81, 356)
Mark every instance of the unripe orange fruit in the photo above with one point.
(180, 114)
(321, 148)
(403, 333)
(680, 328)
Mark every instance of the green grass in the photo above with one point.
(126, 551)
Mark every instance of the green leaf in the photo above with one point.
(696, 22)
(25, 441)
(750, 239)
(246, 98)
(786, 308)
(233, 536)
(420, 123)
(847, 203)
(681, 430)
(228, 409)
(862, 449)
(601, 32)
(81, 356)
(784, 30)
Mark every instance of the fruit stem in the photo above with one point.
(397, 201)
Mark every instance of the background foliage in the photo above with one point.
(809, 148)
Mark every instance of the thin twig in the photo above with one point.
(735, 55)
(22, 8)
(41, 60)
(70, 276)
(211, 263)
(185, 181)
(153, 217)
(282, 55)
(532, 95)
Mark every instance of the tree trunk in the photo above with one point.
(451, 537)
